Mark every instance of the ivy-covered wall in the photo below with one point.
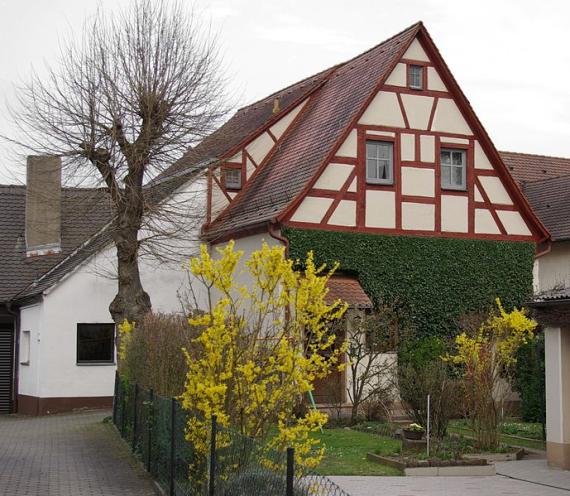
(434, 279)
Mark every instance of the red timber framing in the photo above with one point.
(442, 139)
(241, 148)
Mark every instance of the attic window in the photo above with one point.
(416, 77)
(379, 162)
(232, 178)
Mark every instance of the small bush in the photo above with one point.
(445, 392)
(154, 357)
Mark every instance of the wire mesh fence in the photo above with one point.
(235, 465)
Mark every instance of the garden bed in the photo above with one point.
(435, 466)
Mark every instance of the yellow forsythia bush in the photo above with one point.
(265, 340)
(486, 358)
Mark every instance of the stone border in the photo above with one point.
(465, 467)
(499, 457)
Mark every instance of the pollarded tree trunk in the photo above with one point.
(131, 301)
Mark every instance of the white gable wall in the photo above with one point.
(418, 123)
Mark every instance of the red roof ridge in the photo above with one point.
(323, 72)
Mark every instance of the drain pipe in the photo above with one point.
(275, 233)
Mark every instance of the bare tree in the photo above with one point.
(122, 105)
(371, 336)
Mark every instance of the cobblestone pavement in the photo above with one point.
(531, 477)
(67, 455)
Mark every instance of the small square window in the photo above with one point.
(453, 169)
(232, 178)
(95, 343)
(415, 77)
(379, 162)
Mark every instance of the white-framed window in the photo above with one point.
(25, 348)
(453, 169)
(379, 162)
(232, 178)
(416, 77)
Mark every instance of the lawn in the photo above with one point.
(346, 452)
(512, 433)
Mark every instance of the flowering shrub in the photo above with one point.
(487, 357)
(262, 346)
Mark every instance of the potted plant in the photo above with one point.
(413, 431)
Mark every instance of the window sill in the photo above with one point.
(96, 364)
(25, 363)
(456, 190)
(415, 88)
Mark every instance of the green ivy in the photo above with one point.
(434, 280)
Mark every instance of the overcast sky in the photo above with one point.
(510, 57)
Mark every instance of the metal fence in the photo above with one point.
(235, 465)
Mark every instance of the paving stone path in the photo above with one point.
(67, 455)
(529, 477)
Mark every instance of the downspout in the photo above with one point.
(275, 232)
(15, 384)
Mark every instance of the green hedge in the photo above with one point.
(435, 280)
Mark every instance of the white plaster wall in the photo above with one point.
(454, 213)
(398, 77)
(416, 52)
(554, 385)
(312, 209)
(84, 297)
(260, 147)
(495, 190)
(484, 222)
(427, 148)
(28, 375)
(219, 200)
(334, 176)
(418, 181)
(434, 81)
(408, 146)
(448, 118)
(349, 146)
(380, 209)
(383, 110)
(481, 159)
(418, 216)
(418, 110)
(344, 214)
(553, 268)
(513, 223)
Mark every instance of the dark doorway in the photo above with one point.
(6, 367)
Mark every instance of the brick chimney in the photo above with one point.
(43, 205)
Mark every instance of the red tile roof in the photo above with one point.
(526, 168)
(332, 107)
(550, 200)
(349, 290)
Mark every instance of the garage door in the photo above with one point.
(6, 367)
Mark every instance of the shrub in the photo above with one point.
(433, 378)
(487, 357)
(153, 356)
(529, 376)
(262, 346)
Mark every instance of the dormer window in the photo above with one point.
(416, 77)
(232, 178)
